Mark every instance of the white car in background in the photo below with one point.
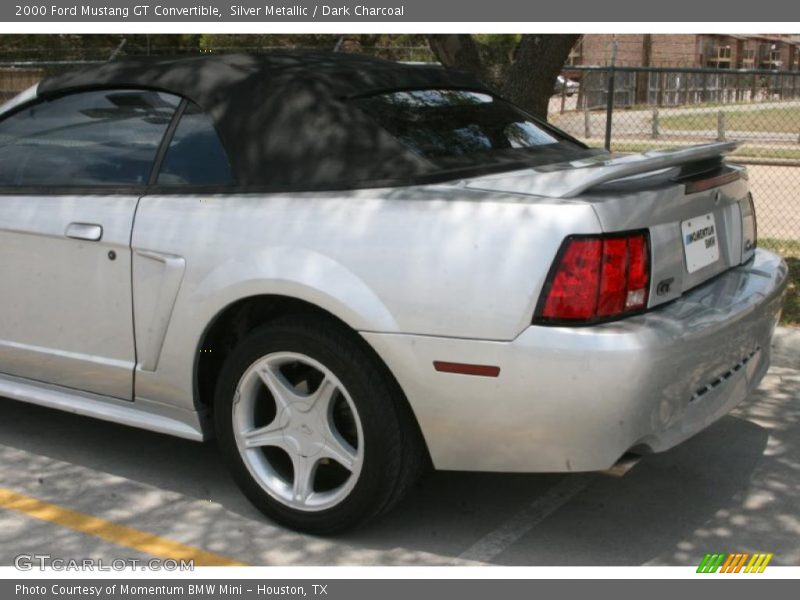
(566, 86)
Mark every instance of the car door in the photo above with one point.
(72, 170)
(171, 234)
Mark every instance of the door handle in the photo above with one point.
(84, 231)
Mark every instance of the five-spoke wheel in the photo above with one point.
(314, 428)
(298, 431)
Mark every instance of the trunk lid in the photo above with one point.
(691, 202)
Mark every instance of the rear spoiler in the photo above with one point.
(569, 179)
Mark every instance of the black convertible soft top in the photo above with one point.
(284, 118)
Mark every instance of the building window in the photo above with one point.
(769, 56)
(719, 57)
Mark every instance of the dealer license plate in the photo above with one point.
(700, 242)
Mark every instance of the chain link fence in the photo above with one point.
(671, 107)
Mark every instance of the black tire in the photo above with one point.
(394, 453)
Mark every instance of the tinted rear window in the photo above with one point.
(458, 127)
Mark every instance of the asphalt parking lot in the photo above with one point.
(77, 488)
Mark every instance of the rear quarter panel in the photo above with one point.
(431, 260)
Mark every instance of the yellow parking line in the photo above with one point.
(109, 531)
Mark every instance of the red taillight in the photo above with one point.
(597, 278)
(613, 286)
(573, 293)
(638, 273)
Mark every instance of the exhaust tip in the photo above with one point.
(625, 463)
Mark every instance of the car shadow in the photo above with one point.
(628, 520)
(643, 516)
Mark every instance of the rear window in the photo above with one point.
(460, 127)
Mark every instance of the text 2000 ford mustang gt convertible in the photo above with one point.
(346, 269)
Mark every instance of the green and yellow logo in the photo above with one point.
(734, 563)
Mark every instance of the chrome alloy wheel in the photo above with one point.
(298, 431)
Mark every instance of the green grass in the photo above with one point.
(790, 250)
(781, 153)
(781, 120)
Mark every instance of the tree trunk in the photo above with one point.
(527, 76)
(458, 51)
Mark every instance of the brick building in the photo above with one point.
(779, 51)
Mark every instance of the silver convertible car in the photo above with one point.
(348, 270)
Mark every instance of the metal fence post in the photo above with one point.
(721, 126)
(686, 88)
(656, 131)
(587, 122)
(610, 102)
(705, 88)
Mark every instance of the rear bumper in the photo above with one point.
(577, 398)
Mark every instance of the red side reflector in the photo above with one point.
(466, 369)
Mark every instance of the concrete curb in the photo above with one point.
(786, 347)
